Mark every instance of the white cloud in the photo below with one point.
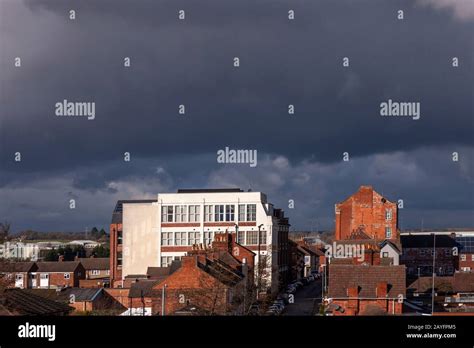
(462, 9)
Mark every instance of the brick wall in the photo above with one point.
(365, 210)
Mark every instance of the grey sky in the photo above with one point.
(190, 62)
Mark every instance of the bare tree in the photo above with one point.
(4, 231)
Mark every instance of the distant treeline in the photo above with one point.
(93, 234)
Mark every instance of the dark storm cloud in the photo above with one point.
(190, 62)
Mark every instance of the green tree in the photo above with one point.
(101, 251)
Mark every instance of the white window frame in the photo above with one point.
(219, 212)
(179, 240)
(194, 213)
(388, 232)
(242, 212)
(209, 213)
(167, 238)
(463, 257)
(230, 212)
(167, 213)
(251, 212)
(180, 213)
(194, 238)
(251, 238)
(67, 276)
(208, 237)
(388, 214)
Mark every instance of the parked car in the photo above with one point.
(311, 278)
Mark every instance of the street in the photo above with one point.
(307, 300)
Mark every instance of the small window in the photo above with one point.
(463, 257)
(241, 212)
(219, 212)
(229, 213)
(388, 214)
(67, 276)
(385, 254)
(251, 212)
(252, 238)
(95, 272)
(388, 232)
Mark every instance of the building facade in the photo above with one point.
(366, 212)
(156, 233)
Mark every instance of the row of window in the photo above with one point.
(191, 238)
(42, 276)
(167, 260)
(425, 251)
(464, 257)
(212, 213)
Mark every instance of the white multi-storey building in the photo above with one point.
(155, 233)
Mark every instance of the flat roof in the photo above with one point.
(217, 190)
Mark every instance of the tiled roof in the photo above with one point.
(221, 271)
(143, 288)
(80, 294)
(17, 266)
(64, 296)
(57, 266)
(463, 282)
(425, 284)
(95, 263)
(163, 272)
(366, 278)
(26, 303)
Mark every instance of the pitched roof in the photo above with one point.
(143, 288)
(425, 284)
(393, 244)
(58, 266)
(80, 294)
(95, 263)
(221, 271)
(163, 272)
(26, 303)
(463, 282)
(366, 278)
(17, 266)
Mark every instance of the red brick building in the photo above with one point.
(57, 274)
(418, 252)
(366, 212)
(366, 290)
(17, 273)
(218, 280)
